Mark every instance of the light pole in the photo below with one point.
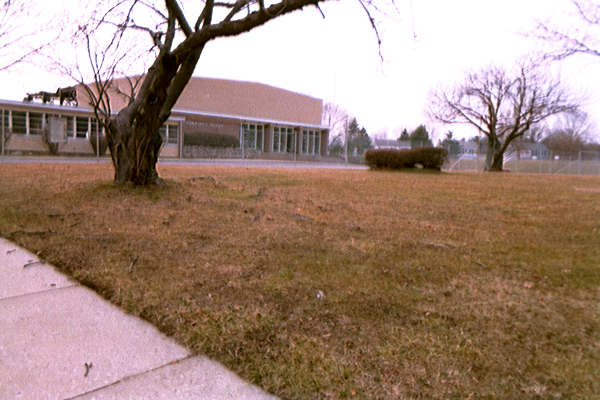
(242, 140)
(346, 141)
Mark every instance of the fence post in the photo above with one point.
(579, 163)
(346, 141)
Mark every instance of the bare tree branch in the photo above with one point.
(365, 4)
(581, 37)
(205, 17)
(19, 38)
(174, 9)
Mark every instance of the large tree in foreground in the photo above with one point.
(503, 106)
(177, 41)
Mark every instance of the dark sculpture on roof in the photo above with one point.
(65, 96)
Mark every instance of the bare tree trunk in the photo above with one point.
(134, 152)
(133, 134)
(494, 159)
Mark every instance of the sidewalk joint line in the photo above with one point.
(133, 376)
(40, 291)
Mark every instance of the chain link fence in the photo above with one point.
(579, 163)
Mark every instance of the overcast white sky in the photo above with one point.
(426, 43)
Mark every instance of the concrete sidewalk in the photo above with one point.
(59, 340)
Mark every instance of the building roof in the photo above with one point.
(250, 100)
(48, 107)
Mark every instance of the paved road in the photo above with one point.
(191, 162)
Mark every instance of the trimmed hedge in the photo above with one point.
(210, 140)
(426, 157)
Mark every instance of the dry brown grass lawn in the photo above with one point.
(446, 286)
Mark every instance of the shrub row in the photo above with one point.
(426, 157)
(210, 140)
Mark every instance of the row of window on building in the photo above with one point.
(78, 127)
(283, 139)
(33, 123)
(169, 133)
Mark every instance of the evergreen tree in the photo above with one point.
(358, 139)
(405, 136)
(420, 137)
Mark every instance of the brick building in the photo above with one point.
(263, 121)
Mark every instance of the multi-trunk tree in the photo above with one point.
(178, 41)
(502, 106)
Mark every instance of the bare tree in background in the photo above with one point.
(336, 118)
(501, 105)
(569, 134)
(177, 41)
